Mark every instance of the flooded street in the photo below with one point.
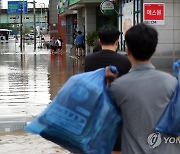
(29, 80)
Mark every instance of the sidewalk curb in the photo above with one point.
(10, 123)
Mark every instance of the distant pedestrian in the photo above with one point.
(52, 44)
(59, 43)
(80, 47)
(16, 37)
(1, 37)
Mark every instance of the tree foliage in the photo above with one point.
(92, 38)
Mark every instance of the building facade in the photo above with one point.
(83, 15)
(89, 18)
(168, 49)
(0, 4)
(168, 27)
(53, 18)
(41, 17)
(13, 20)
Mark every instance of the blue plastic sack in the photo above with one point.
(81, 118)
(170, 120)
(176, 66)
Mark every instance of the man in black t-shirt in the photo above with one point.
(109, 40)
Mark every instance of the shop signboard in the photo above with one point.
(64, 3)
(154, 13)
(107, 7)
(60, 6)
(71, 2)
(63, 23)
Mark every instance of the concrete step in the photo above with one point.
(10, 123)
(8, 126)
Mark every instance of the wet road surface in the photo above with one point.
(30, 80)
(28, 83)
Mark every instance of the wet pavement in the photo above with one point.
(29, 80)
(24, 143)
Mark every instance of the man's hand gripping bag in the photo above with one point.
(81, 118)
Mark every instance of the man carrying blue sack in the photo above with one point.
(108, 40)
(142, 95)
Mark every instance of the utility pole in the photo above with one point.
(34, 12)
(41, 15)
(21, 29)
(41, 28)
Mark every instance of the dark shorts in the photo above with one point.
(117, 145)
(59, 47)
(53, 47)
(80, 46)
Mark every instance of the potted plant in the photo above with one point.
(92, 39)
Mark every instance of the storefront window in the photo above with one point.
(71, 25)
(131, 14)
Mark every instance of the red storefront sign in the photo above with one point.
(154, 13)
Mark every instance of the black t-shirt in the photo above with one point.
(105, 58)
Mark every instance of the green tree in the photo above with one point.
(92, 38)
(6, 26)
(27, 30)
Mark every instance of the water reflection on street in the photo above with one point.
(30, 80)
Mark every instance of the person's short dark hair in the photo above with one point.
(141, 40)
(108, 34)
(79, 32)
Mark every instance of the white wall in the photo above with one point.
(168, 49)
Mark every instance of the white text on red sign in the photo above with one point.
(154, 12)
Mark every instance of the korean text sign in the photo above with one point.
(154, 13)
(15, 6)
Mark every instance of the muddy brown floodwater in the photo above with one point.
(28, 83)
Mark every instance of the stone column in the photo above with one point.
(90, 20)
(80, 21)
(53, 18)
